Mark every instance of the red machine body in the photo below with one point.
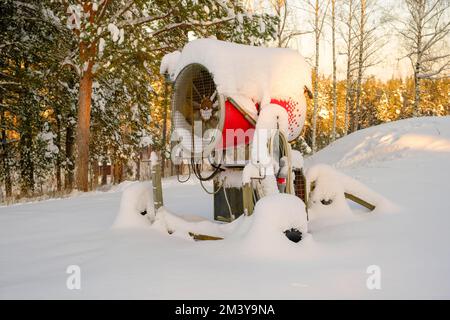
(237, 130)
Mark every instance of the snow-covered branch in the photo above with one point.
(144, 20)
(191, 23)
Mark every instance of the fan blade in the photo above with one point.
(196, 105)
(196, 90)
(213, 96)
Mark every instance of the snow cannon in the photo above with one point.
(221, 86)
(222, 94)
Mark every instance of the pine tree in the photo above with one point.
(28, 35)
(111, 32)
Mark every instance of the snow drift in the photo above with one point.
(39, 240)
(329, 191)
(261, 234)
(406, 139)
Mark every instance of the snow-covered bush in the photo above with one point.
(273, 215)
(330, 186)
(136, 206)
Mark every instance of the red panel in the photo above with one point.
(235, 120)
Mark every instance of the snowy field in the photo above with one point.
(408, 162)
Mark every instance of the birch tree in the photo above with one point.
(333, 44)
(286, 29)
(426, 32)
(368, 44)
(348, 35)
(319, 10)
(361, 40)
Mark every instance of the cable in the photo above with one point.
(221, 186)
(212, 192)
(178, 174)
(229, 206)
(197, 171)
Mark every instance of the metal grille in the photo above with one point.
(300, 185)
(196, 108)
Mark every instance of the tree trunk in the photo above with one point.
(349, 85)
(417, 83)
(138, 167)
(68, 176)
(164, 129)
(118, 172)
(87, 55)
(417, 70)
(104, 166)
(420, 11)
(5, 164)
(360, 66)
(58, 157)
(104, 173)
(95, 169)
(333, 36)
(26, 161)
(83, 130)
(316, 78)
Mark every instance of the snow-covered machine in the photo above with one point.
(235, 108)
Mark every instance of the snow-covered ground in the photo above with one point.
(407, 161)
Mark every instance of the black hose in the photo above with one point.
(196, 170)
(178, 174)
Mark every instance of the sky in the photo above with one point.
(391, 64)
